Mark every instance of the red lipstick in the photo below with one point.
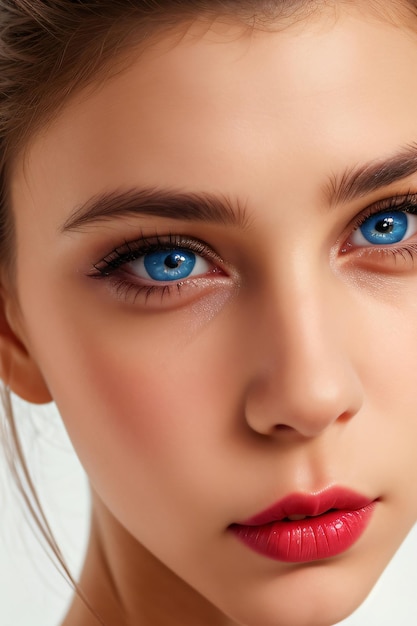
(329, 522)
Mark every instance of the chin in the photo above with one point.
(300, 612)
(318, 595)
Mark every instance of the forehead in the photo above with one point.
(197, 112)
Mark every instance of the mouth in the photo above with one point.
(302, 528)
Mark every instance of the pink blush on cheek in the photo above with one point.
(136, 410)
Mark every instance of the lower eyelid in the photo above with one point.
(154, 297)
(389, 260)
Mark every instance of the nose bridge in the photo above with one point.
(306, 379)
(308, 328)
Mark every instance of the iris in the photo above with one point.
(165, 265)
(385, 228)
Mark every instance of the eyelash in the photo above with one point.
(131, 251)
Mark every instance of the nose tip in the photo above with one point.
(304, 404)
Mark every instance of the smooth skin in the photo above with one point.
(287, 366)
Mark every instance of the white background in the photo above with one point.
(32, 591)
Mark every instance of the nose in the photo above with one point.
(303, 376)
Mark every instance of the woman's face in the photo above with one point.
(221, 318)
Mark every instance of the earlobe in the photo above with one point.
(18, 370)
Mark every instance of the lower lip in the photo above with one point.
(310, 539)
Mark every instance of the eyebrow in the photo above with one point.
(355, 182)
(165, 203)
(361, 180)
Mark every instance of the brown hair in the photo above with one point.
(49, 50)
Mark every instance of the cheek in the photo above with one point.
(146, 393)
(385, 430)
(134, 419)
(136, 378)
(146, 401)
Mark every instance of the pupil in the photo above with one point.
(385, 226)
(173, 261)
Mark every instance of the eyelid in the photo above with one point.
(155, 295)
(131, 251)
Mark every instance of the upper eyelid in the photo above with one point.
(129, 251)
(398, 202)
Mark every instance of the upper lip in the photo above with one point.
(310, 504)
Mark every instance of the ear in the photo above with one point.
(18, 369)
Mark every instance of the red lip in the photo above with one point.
(336, 519)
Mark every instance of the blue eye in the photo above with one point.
(169, 265)
(385, 228)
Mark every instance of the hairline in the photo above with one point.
(112, 66)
